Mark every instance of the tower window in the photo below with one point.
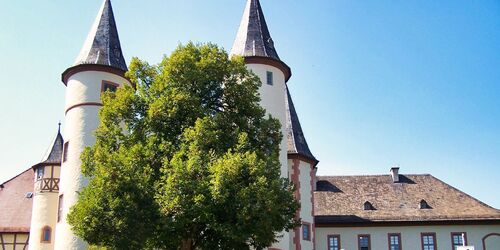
(109, 86)
(306, 231)
(39, 173)
(65, 152)
(46, 234)
(60, 208)
(269, 78)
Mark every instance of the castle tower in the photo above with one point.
(99, 67)
(302, 167)
(43, 218)
(255, 44)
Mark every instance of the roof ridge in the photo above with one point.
(3, 183)
(371, 175)
(466, 194)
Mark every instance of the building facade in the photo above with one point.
(35, 203)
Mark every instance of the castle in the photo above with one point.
(364, 212)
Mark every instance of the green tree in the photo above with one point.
(188, 160)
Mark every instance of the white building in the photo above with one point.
(35, 213)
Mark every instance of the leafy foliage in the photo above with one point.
(188, 160)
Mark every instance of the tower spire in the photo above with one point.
(102, 46)
(253, 40)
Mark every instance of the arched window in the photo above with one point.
(46, 234)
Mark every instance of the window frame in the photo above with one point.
(269, 78)
(434, 238)
(389, 235)
(39, 170)
(45, 229)
(60, 207)
(459, 234)
(108, 83)
(308, 226)
(328, 237)
(65, 151)
(369, 241)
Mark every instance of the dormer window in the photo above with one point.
(424, 205)
(368, 206)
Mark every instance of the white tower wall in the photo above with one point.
(273, 101)
(44, 212)
(82, 106)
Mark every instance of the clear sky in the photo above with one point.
(376, 83)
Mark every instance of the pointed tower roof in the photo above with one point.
(253, 39)
(102, 46)
(297, 144)
(54, 154)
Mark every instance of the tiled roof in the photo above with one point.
(54, 155)
(253, 38)
(15, 207)
(102, 46)
(340, 199)
(296, 140)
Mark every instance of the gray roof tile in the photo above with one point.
(253, 38)
(102, 46)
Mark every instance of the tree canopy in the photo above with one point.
(187, 160)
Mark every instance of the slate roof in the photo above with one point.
(253, 38)
(340, 199)
(54, 155)
(296, 140)
(15, 215)
(102, 46)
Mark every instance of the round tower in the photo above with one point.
(99, 67)
(254, 43)
(43, 217)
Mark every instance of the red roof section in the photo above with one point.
(15, 215)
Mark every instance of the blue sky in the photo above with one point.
(375, 83)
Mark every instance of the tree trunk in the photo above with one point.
(187, 244)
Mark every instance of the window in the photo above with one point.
(424, 205)
(65, 152)
(39, 173)
(306, 231)
(429, 241)
(458, 239)
(46, 234)
(333, 242)
(368, 206)
(269, 78)
(364, 242)
(394, 241)
(108, 86)
(60, 208)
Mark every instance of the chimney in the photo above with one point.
(395, 174)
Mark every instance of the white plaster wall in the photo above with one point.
(410, 236)
(273, 100)
(306, 205)
(85, 86)
(80, 123)
(44, 214)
